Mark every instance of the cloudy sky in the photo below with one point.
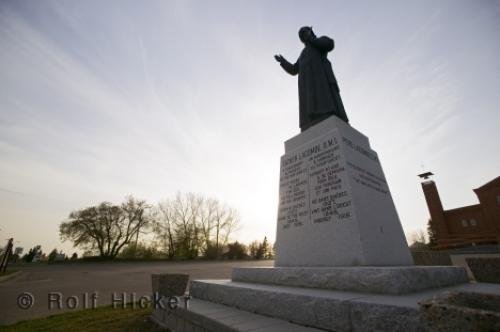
(101, 99)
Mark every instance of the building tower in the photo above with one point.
(434, 205)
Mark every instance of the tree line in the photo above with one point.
(187, 226)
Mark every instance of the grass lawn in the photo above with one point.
(101, 319)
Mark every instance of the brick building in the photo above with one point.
(468, 225)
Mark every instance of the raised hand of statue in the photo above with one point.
(279, 58)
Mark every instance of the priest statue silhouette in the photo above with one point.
(319, 96)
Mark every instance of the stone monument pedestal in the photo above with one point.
(335, 207)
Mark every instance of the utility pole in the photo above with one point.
(6, 255)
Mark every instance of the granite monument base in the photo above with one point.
(279, 301)
(365, 279)
(335, 207)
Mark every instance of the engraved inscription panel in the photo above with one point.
(361, 175)
(311, 188)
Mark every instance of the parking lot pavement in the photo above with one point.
(121, 280)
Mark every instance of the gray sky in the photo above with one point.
(100, 99)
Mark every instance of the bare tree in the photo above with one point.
(186, 210)
(140, 211)
(207, 219)
(164, 227)
(418, 240)
(228, 224)
(191, 224)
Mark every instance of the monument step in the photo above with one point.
(327, 309)
(204, 316)
(383, 280)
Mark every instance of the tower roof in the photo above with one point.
(493, 183)
(425, 175)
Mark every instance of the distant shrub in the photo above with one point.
(139, 251)
(236, 250)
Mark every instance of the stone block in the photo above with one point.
(462, 311)
(201, 317)
(383, 280)
(300, 306)
(169, 284)
(366, 316)
(485, 269)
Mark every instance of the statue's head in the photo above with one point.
(306, 33)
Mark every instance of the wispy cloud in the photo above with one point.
(98, 101)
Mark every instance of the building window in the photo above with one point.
(464, 223)
(473, 222)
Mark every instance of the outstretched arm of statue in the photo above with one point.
(287, 66)
(323, 44)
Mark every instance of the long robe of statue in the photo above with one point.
(319, 95)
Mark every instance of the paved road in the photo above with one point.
(103, 278)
